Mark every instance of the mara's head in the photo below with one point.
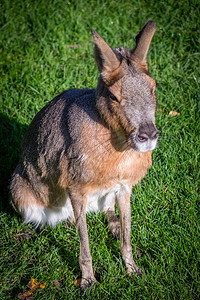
(126, 93)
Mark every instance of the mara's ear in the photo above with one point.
(107, 61)
(143, 40)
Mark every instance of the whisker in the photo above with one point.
(105, 143)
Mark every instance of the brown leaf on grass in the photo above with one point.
(26, 295)
(160, 111)
(77, 282)
(33, 285)
(76, 46)
(57, 284)
(73, 46)
(173, 113)
(23, 236)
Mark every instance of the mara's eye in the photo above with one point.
(113, 98)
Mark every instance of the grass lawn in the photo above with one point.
(46, 47)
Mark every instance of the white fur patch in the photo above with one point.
(40, 215)
(149, 145)
(99, 200)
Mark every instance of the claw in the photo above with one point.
(86, 282)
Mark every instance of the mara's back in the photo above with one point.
(51, 132)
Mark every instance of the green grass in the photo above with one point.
(46, 47)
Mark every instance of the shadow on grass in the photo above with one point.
(11, 135)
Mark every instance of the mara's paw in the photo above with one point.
(86, 283)
(138, 271)
(133, 269)
(114, 227)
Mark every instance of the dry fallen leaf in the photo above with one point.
(57, 284)
(26, 295)
(23, 236)
(173, 113)
(72, 46)
(33, 285)
(77, 282)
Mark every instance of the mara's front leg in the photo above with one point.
(85, 259)
(123, 202)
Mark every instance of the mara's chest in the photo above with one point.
(130, 166)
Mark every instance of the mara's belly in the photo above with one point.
(100, 199)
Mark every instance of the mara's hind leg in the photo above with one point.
(39, 203)
(114, 223)
(24, 201)
(20, 192)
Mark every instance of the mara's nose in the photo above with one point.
(147, 131)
